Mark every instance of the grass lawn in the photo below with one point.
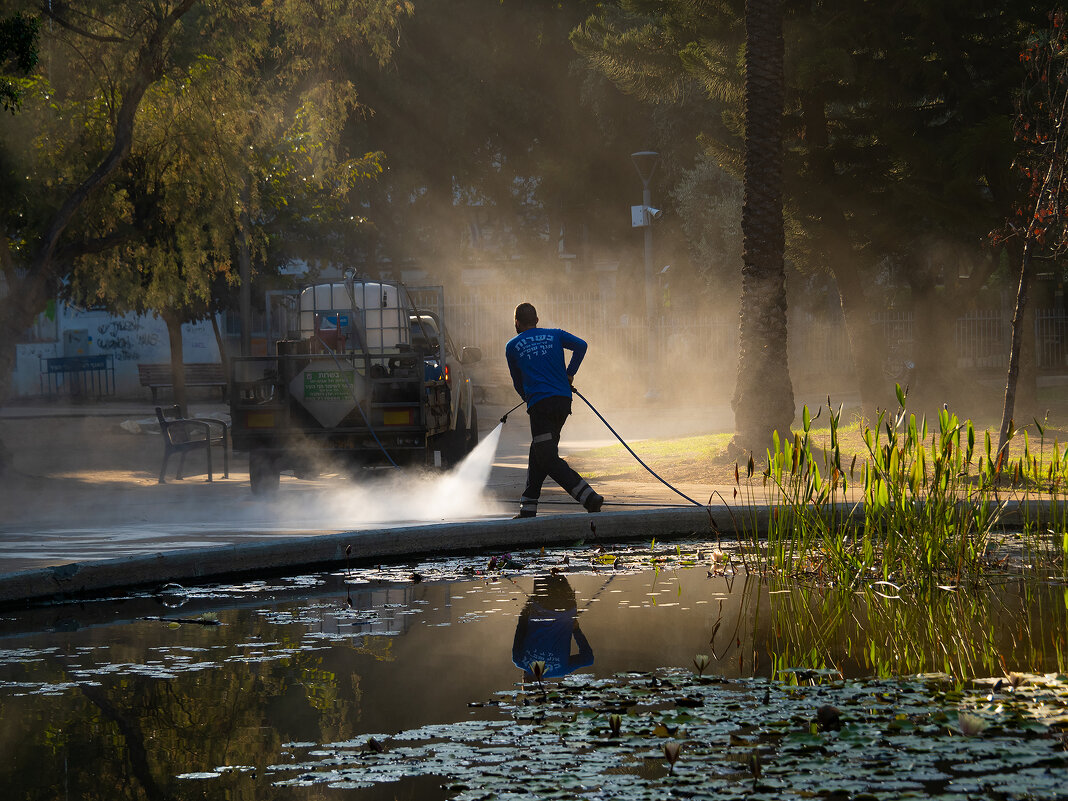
(703, 458)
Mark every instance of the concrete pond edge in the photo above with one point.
(84, 580)
(79, 580)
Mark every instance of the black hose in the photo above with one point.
(632, 453)
(636, 504)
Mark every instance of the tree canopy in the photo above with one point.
(897, 137)
(18, 56)
(157, 144)
(156, 128)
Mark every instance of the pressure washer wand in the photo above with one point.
(505, 418)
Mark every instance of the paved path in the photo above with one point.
(110, 522)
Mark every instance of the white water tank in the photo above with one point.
(372, 316)
(329, 303)
(385, 319)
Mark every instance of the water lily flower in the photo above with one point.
(971, 724)
(537, 670)
(615, 723)
(700, 661)
(672, 749)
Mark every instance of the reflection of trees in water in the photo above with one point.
(974, 632)
(129, 738)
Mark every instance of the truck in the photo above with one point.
(363, 377)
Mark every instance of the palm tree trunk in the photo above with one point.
(763, 397)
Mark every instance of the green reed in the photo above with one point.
(995, 629)
(923, 506)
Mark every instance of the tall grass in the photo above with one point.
(1011, 625)
(922, 508)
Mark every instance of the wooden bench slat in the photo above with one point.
(155, 376)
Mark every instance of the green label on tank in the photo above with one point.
(329, 385)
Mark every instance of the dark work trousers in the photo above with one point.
(547, 418)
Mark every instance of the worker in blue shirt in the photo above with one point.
(545, 629)
(536, 363)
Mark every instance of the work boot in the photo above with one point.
(526, 514)
(594, 502)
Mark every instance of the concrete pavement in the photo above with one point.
(82, 514)
(93, 519)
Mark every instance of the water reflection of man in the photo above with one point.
(547, 624)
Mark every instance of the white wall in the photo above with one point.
(130, 340)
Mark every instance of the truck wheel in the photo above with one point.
(263, 473)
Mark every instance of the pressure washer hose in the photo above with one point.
(632, 453)
(625, 445)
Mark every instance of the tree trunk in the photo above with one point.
(934, 351)
(763, 398)
(18, 308)
(1027, 380)
(220, 343)
(174, 337)
(133, 739)
(244, 264)
(1018, 333)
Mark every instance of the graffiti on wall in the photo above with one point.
(130, 340)
(125, 339)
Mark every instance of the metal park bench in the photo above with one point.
(155, 376)
(183, 434)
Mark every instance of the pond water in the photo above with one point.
(245, 691)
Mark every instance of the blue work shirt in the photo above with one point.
(547, 638)
(536, 362)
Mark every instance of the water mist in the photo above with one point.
(399, 496)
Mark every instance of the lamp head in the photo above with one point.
(645, 162)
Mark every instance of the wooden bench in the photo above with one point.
(155, 376)
(184, 434)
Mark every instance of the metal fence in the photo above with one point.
(1051, 340)
(817, 346)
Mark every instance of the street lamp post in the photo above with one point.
(643, 216)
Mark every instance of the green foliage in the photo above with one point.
(489, 126)
(931, 503)
(239, 128)
(19, 36)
